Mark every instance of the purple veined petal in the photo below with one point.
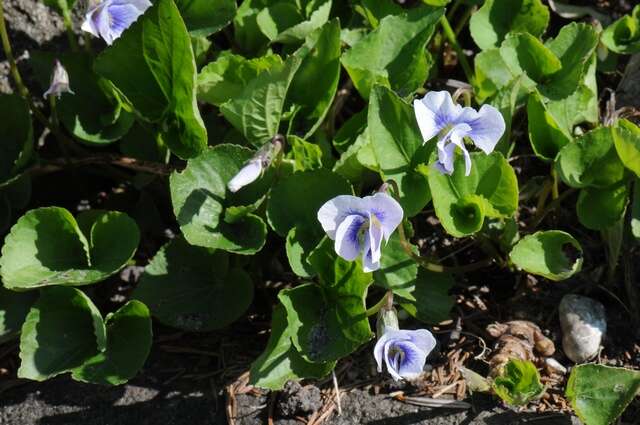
(59, 81)
(434, 112)
(487, 128)
(412, 360)
(391, 367)
(376, 235)
(97, 18)
(122, 15)
(335, 210)
(347, 243)
(247, 174)
(387, 211)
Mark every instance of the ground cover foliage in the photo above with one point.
(226, 128)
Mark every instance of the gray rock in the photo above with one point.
(296, 400)
(583, 323)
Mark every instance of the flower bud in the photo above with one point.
(59, 81)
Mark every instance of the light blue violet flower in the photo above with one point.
(59, 81)
(358, 225)
(109, 18)
(404, 352)
(438, 115)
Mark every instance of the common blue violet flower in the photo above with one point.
(59, 81)
(438, 115)
(109, 18)
(358, 225)
(404, 352)
(256, 166)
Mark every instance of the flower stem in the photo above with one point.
(451, 36)
(8, 52)
(385, 301)
(68, 25)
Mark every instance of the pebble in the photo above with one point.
(583, 323)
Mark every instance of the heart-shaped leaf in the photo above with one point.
(496, 18)
(623, 36)
(430, 301)
(599, 394)
(192, 288)
(601, 208)
(129, 338)
(199, 193)
(47, 246)
(462, 202)
(280, 362)
(205, 17)
(552, 254)
(626, 136)
(63, 330)
(591, 161)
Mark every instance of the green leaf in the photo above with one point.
(623, 36)
(524, 53)
(227, 77)
(247, 34)
(257, 111)
(296, 199)
(375, 10)
(334, 270)
(599, 394)
(316, 81)
(327, 323)
(198, 196)
(399, 148)
(192, 288)
(62, 331)
(129, 338)
(48, 247)
(575, 46)
(462, 202)
(601, 208)
(496, 18)
(393, 54)
(553, 254)
(545, 135)
(14, 307)
(635, 210)
(152, 64)
(306, 156)
(519, 383)
(626, 137)
(430, 301)
(298, 246)
(205, 17)
(398, 270)
(280, 362)
(17, 135)
(94, 112)
(591, 160)
(283, 23)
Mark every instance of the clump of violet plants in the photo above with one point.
(306, 142)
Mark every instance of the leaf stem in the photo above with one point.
(451, 37)
(68, 25)
(542, 212)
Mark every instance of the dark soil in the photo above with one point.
(201, 379)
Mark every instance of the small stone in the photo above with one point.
(583, 323)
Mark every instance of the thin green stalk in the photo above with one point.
(383, 301)
(451, 37)
(428, 265)
(8, 52)
(68, 25)
(463, 20)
